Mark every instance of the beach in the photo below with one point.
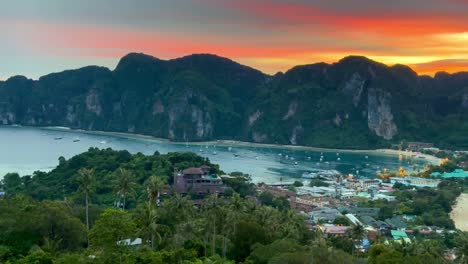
(383, 152)
(459, 213)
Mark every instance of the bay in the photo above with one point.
(26, 149)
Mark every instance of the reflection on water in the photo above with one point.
(25, 150)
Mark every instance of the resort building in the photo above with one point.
(458, 173)
(416, 181)
(197, 180)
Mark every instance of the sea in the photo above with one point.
(28, 149)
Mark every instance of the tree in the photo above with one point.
(12, 183)
(149, 228)
(112, 226)
(85, 185)
(154, 185)
(125, 185)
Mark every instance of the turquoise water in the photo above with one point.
(25, 150)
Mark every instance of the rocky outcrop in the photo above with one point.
(291, 110)
(465, 100)
(92, 103)
(379, 114)
(354, 88)
(7, 118)
(297, 130)
(259, 137)
(254, 117)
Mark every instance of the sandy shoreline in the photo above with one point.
(386, 152)
(459, 213)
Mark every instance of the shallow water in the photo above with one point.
(25, 150)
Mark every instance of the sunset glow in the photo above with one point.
(428, 35)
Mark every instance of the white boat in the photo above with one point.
(103, 142)
(338, 159)
(309, 175)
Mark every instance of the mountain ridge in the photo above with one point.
(354, 103)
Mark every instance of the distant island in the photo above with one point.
(355, 103)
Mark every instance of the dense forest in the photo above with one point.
(354, 103)
(85, 210)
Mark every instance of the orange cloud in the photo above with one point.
(450, 66)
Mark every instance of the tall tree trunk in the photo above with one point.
(158, 201)
(224, 247)
(87, 218)
(213, 242)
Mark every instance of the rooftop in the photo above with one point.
(458, 173)
(193, 170)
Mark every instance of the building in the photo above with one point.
(419, 146)
(416, 182)
(458, 173)
(197, 180)
(353, 219)
(324, 215)
(398, 235)
(334, 230)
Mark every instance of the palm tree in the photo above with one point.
(212, 210)
(125, 185)
(154, 185)
(85, 185)
(150, 229)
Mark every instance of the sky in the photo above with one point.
(44, 36)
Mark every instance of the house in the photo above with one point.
(133, 243)
(363, 211)
(197, 180)
(324, 214)
(334, 230)
(368, 221)
(396, 222)
(398, 235)
(353, 219)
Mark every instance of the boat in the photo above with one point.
(309, 175)
(279, 154)
(295, 163)
(58, 138)
(329, 173)
(215, 153)
(76, 140)
(338, 159)
(103, 142)
(366, 157)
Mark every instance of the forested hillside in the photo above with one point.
(354, 103)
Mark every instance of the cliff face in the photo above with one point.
(354, 103)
